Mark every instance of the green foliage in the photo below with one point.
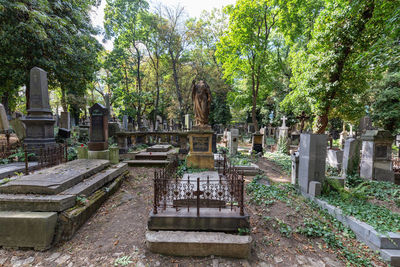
(382, 219)
(267, 195)
(240, 159)
(183, 168)
(243, 231)
(282, 146)
(282, 160)
(72, 153)
(123, 261)
(284, 228)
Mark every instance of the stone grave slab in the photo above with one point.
(180, 243)
(55, 179)
(23, 202)
(159, 148)
(10, 169)
(151, 155)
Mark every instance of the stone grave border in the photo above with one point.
(387, 244)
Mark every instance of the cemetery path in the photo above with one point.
(272, 170)
(118, 228)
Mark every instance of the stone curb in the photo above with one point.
(388, 245)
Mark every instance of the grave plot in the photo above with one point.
(40, 209)
(198, 215)
(156, 155)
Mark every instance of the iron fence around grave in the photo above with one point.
(171, 191)
(50, 156)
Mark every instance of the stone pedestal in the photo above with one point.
(200, 153)
(351, 156)
(376, 163)
(103, 154)
(283, 132)
(183, 142)
(122, 144)
(312, 159)
(257, 142)
(39, 122)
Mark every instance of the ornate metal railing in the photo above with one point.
(51, 156)
(170, 191)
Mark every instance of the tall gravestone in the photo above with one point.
(351, 156)
(312, 160)
(233, 140)
(376, 162)
(65, 121)
(98, 133)
(39, 122)
(125, 122)
(4, 125)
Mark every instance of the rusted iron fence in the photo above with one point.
(34, 160)
(170, 191)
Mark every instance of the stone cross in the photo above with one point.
(283, 121)
(302, 119)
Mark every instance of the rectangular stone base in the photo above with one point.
(103, 154)
(27, 229)
(179, 243)
(210, 219)
(202, 161)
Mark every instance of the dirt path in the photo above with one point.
(118, 230)
(273, 171)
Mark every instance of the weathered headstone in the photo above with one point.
(335, 158)
(4, 125)
(98, 133)
(19, 128)
(65, 121)
(250, 128)
(233, 140)
(257, 142)
(376, 163)
(283, 130)
(39, 122)
(365, 124)
(351, 156)
(312, 159)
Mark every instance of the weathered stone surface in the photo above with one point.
(211, 219)
(4, 125)
(98, 132)
(351, 156)
(11, 169)
(295, 168)
(24, 202)
(314, 189)
(72, 219)
(312, 159)
(151, 155)
(27, 229)
(392, 256)
(55, 179)
(102, 154)
(180, 243)
(159, 148)
(335, 158)
(147, 163)
(88, 186)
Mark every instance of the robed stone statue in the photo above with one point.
(201, 97)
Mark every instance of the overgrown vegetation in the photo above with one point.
(184, 168)
(282, 160)
(312, 222)
(241, 159)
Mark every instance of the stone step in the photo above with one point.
(147, 163)
(65, 199)
(88, 186)
(159, 148)
(151, 156)
(56, 179)
(27, 229)
(180, 243)
(392, 256)
(22, 202)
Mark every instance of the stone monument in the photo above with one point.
(233, 140)
(39, 122)
(98, 133)
(283, 130)
(376, 156)
(125, 122)
(351, 156)
(257, 142)
(200, 137)
(65, 121)
(312, 160)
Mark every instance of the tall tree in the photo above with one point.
(125, 20)
(244, 49)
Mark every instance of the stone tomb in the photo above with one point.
(39, 122)
(312, 160)
(40, 209)
(376, 163)
(200, 153)
(98, 133)
(65, 120)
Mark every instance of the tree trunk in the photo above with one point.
(5, 102)
(178, 91)
(27, 91)
(139, 81)
(157, 99)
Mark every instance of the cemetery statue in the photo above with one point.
(201, 97)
